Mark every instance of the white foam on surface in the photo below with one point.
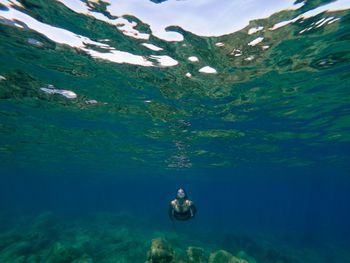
(200, 17)
(250, 58)
(254, 30)
(66, 93)
(325, 21)
(193, 59)
(236, 52)
(335, 6)
(332, 21)
(165, 61)
(283, 23)
(319, 23)
(120, 57)
(11, 3)
(255, 41)
(55, 34)
(124, 25)
(152, 47)
(208, 70)
(219, 44)
(91, 102)
(63, 36)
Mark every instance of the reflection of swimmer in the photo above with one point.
(181, 208)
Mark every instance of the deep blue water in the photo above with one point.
(98, 129)
(303, 207)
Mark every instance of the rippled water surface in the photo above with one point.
(245, 103)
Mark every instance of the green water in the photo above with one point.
(268, 133)
(289, 100)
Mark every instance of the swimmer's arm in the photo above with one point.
(171, 212)
(193, 209)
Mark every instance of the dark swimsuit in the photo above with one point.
(182, 216)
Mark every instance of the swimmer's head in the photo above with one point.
(181, 193)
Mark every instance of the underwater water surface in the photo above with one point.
(107, 107)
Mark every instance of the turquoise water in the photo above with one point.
(244, 104)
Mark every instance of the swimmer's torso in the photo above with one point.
(181, 207)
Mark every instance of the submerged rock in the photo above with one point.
(244, 257)
(61, 252)
(20, 259)
(45, 220)
(238, 260)
(91, 102)
(16, 250)
(43, 231)
(35, 42)
(33, 259)
(84, 259)
(160, 252)
(220, 256)
(50, 89)
(196, 255)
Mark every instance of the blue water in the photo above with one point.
(99, 130)
(299, 209)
